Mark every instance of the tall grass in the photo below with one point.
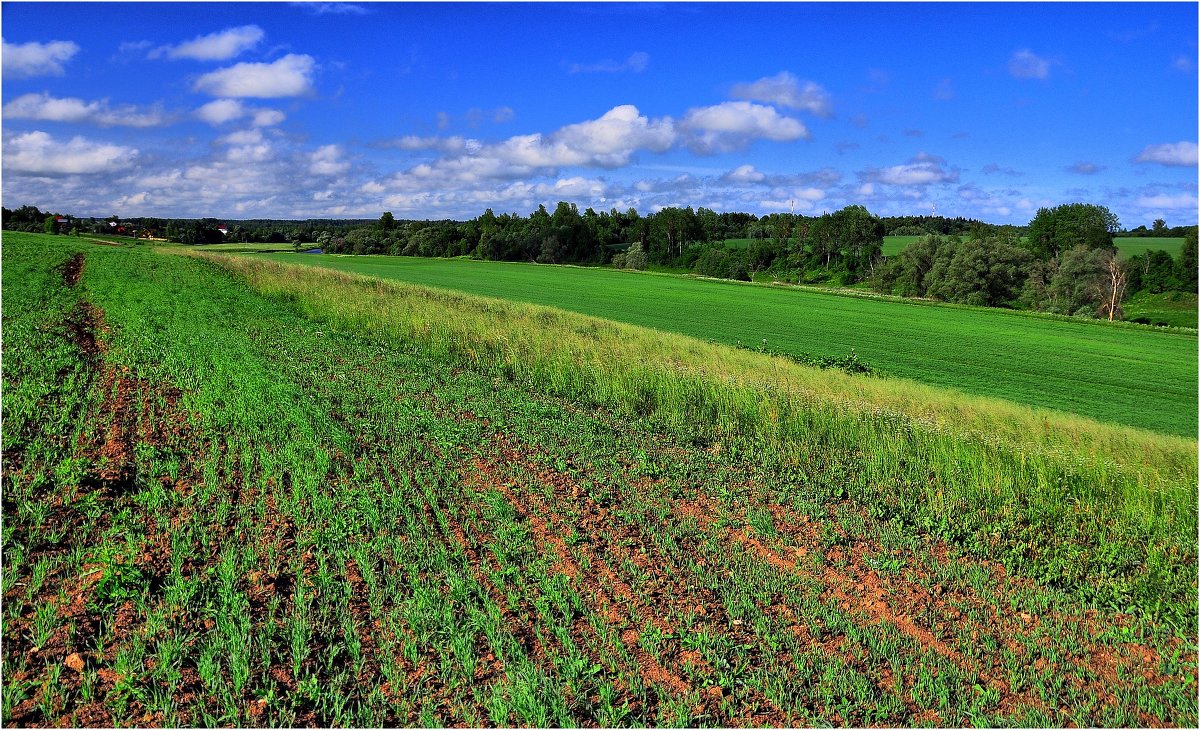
(1061, 490)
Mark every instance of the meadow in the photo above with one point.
(1132, 375)
(241, 493)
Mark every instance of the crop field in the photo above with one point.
(248, 247)
(1132, 375)
(1134, 246)
(238, 493)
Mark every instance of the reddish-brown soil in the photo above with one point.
(610, 547)
(129, 413)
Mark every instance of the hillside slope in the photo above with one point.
(252, 497)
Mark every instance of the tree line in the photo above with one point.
(1063, 261)
(1066, 264)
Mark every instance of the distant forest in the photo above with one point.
(1063, 261)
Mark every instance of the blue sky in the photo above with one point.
(240, 110)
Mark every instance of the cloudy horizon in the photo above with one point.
(328, 110)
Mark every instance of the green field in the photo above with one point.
(1168, 309)
(249, 247)
(243, 494)
(1124, 374)
(1134, 246)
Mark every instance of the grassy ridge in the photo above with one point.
(1126, 374)
(954, 464)
(305, 506)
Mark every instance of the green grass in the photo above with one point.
(249, 247)
(1134, 246)
(283, 496)
(1169, 309)
(1089, 368)
(893, 245)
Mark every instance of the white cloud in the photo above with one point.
(574, 187)
(1178, 154)
(609, 141)
(266, 117)
(327, 160)
(40, 154)
(1182, 201)
(733, 125)
(503, 114)
(744, 174)
(636, 63)
(22, 60)
(924, 169)
(1025, 64)
(44, 107)
(220, 46)
(288, 76)
(242, 137)
(223, 111)
(1183, 63)
(784, 89)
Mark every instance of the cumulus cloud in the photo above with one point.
(37, 153)
(1162, 201)
(733, 125)
(242, 137)
(609, 141)
(220, 46)
(637, 62)
(1085, 168)
(288, 76)
(223, 111)
(784, 89)
(744, 174)
(266, 117)
(22, 60)
(44, 107)
(1177, 154)
(1025, 64)
(327, 160)
(924, 169)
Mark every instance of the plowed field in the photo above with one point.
(221, 511)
